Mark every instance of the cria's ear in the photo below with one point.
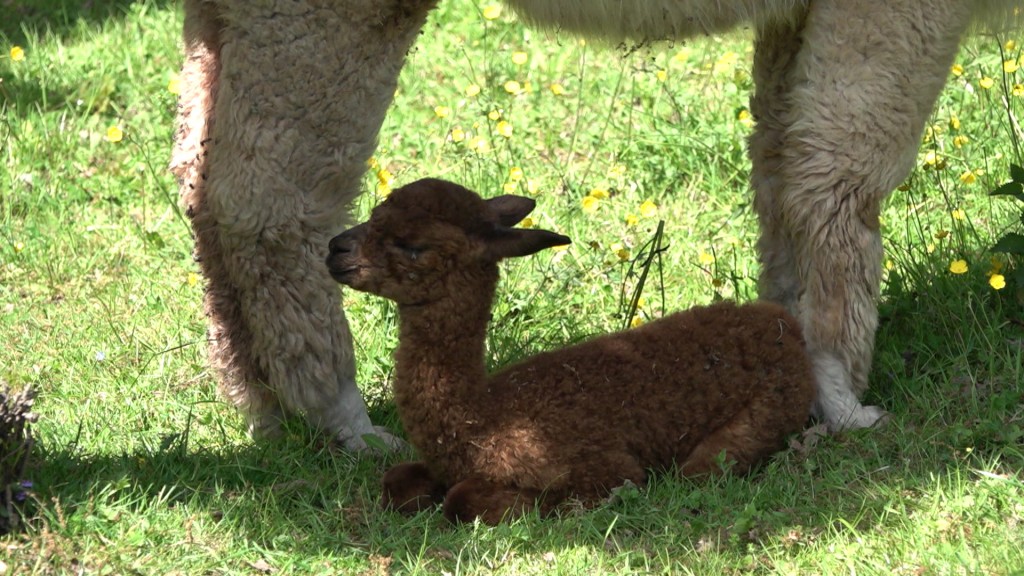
(510, 209)
(513, 242)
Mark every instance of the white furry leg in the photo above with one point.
(280, 110)
(842, 127)
(837, 404)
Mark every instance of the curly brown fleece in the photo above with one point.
(577, 421)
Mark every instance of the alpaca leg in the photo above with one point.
(410, 487)
(490, 502)
(775, 49)
(280, 110)
(859, 91)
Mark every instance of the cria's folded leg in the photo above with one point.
(492, 503)
(754, 434)
(842, 134)
(281, 104)
(410, 487)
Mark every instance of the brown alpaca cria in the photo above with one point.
(577, 421)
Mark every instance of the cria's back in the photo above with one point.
(678, 390)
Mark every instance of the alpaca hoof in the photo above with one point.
(862, 417)
(380, 440)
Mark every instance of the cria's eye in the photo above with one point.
(408, 250)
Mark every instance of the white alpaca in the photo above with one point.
(282, 103)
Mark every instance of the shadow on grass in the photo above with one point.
(60, 16)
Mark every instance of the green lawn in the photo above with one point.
(141, 469)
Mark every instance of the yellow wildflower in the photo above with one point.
(958, 214)
(986, 83)
(648, 209)
(705, 258)
(19, 247)
(954, 122)
(636, 321)
(632, 219)
(1010, 45)
(682, 56)
(115, 134)
(442, 111)
(513, 87)
(1010, 66)
(590, 204)
(17, 53)
(472, 90)
(997, 281)
(192, 279)
(959, 140)
(744, 117)
(520, 58)
(957, 70)
(457, 135)
(504, 128)
(557, 89)
(1017, 90)
(941, 234)
(661, 75)
(599, 193)
(968, 177)
(492, 12)
(527, 222)
(174, 85)
(493, 115)
(958, 266)
(531, 187)
(478, 143)
(515, 174)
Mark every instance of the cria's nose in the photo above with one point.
(347, 240)
(340, 243)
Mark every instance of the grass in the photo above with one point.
(141, 468)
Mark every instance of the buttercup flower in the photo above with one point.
(590, 204)
(557, 89)
(958, 214)
(192, 279)
(515, 174)
(1010, 66)
(457, 135)
(648, 209)
(958, 266)
(986, 83)
(527, 222)
(442, 111)
(17, 53)
(968, 177)
(956, 70)
(472, 90)
(632, 219)
(174, 85)
(504, 128)
(492, 12)
(997, 281)
(115, 134)
(520, 58)
(599, 193)
(513, 87)
(705, 259)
